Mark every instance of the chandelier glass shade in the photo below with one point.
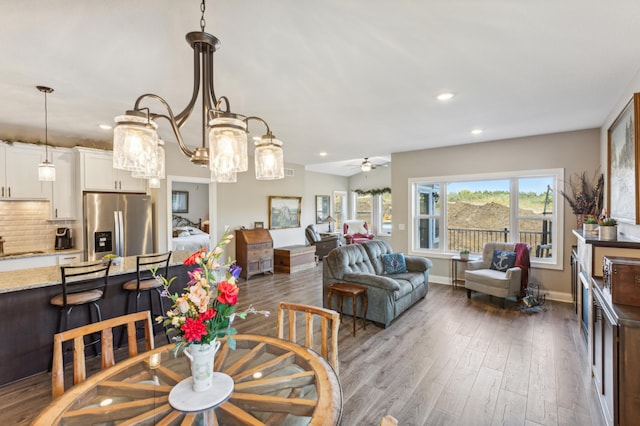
(136, 133)
(269, 159)
(46, 169)
(228, 145)
(135, 141)
(155, 167)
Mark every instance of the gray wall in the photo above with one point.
(574, 151)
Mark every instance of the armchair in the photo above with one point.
(481, 277)
(356, 231)
(323, 245)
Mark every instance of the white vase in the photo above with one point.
(202, 357)
(590, 228)
(608, 232)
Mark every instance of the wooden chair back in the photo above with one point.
(330, 323)
(106, 329)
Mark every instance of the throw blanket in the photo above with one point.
(522, 261)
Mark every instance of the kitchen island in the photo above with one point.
(28, 321)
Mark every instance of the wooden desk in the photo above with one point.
(279, 379)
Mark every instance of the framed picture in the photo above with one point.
(180, 201)
(622, 164)
(284, 212)
(322, 207)
(258, 225)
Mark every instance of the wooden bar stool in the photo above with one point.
(353, 291)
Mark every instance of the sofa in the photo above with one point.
(389, 294)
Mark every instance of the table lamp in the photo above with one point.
(330, 221)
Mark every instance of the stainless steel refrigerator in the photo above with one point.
(120, 224)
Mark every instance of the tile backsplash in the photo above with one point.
(24, 226)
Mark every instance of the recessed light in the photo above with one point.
(476, 131)
(445, 96)
(323, 154)
(105, 126)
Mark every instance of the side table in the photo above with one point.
(454, 270)
(353, 291)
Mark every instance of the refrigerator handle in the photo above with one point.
(116, 221)
(121, 239)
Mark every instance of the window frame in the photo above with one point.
(375, 223)
(557, 218)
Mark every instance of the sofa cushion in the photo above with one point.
(405, 288)
(394, 263)
(349, 259)
(502, 260)
(412, 278)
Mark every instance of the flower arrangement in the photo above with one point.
(585, 196)
(207, 307)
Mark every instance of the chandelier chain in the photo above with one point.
(203, 22)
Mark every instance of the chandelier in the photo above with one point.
(137, 146)
(46, 169)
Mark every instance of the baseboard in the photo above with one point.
(556, 296)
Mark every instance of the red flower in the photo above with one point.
(192, 260)
(193, 330)
(227, 293)
(207, 315)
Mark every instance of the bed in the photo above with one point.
(188, 235)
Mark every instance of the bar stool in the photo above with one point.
(146, 283)
(82, 285)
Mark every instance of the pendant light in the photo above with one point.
(46, 170)
(136, 132)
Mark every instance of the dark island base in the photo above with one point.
(28, 322)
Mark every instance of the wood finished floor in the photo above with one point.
(446, 361)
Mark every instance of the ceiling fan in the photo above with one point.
(368, 165)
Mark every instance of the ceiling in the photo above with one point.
(352, 79)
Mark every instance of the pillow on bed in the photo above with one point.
(184, 234)
(194, 231)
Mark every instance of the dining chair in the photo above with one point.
(389, 421)
(330, 323)
(81, 285)
(146, 283)
(105, 328)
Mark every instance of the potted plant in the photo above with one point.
(590, 226)
(464, 254)
(608, 229)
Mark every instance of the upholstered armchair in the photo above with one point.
(356, 231)
(498, 274)
(323, 245)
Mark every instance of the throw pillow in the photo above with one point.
(503, 260)
(394, 263)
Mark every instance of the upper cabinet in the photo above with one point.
(64, 188)
(98, 174)
(19, 172)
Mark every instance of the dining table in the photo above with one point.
(275, 382)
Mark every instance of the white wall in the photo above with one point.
(198, 200)
(321, 184)
(380, 177)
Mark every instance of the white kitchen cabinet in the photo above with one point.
(19, 172)
(98, 174)
(27, 262)
(65, 259)
(64, 189)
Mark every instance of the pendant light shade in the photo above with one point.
(269, 159)
(46, 170)
(228, 145)
(135, 140)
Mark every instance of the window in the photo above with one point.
(339, 209)
(464, 212)
(374, 208)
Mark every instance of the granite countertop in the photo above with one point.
(38, 253)
(26, 279)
